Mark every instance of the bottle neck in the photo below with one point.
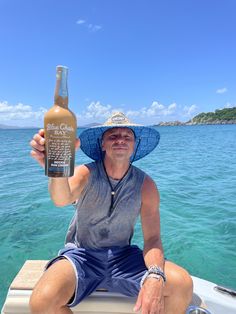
(61, 90)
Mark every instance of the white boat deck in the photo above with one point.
(101, 302)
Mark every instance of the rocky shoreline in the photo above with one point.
(177, 123)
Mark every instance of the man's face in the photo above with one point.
(118, 143)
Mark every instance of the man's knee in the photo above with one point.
(42, 300)
(179, 282)
(178, 290)
(54, 289)
(182, 282)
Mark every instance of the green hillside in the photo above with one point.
(226, 115)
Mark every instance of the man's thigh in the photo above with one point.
(89, 267)
(57, 283)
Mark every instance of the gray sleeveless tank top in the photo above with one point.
(93, 226)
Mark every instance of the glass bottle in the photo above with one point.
(60, 131)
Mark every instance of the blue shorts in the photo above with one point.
(115, 269)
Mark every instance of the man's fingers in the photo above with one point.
(162, 306)
(34, 144)
(157, 307)
(138, 303)
(41, 132)
(38, 145)
(37, 154)
(39, 139)
(77, 143)
(39, 157)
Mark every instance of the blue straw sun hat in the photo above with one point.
(146, 138)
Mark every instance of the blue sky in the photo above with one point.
(155, 60)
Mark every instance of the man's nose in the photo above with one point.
(120, 139)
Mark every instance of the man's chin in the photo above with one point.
(121, 156)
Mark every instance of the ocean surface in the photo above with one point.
(194, 168)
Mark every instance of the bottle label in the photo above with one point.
(60, 147)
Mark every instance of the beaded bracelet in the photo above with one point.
(157, 270)
(153, 270)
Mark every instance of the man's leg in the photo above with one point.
(178, 289)
(54, 289)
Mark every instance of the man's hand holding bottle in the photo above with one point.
(38, 147)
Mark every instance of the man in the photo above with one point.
(109, 194)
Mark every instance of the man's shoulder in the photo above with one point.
(148, 182)
(89, 165)
(140, 171)
(149, 188)
(83, 169)
(89, 169)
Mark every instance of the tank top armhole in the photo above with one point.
(90, 167)
(142, 176)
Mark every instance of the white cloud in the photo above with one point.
(5, 108)
(190, 110)
(134, 113)
(19, 112)
(156, 109)
(229, 105)
(94, 28)
(95, 110)
(80, 22)
(91, 27)
(98, 112)
(222, 90)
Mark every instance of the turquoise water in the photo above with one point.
(195, 170)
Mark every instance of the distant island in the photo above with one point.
(90, 125)
(220, 116)
(4, 126)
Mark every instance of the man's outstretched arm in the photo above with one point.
(63, 191)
